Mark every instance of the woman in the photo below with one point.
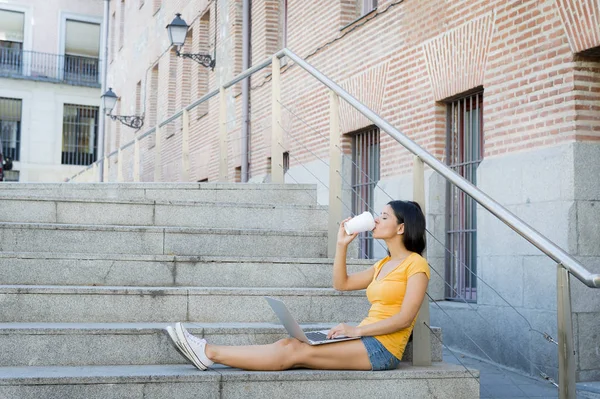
(396, 286)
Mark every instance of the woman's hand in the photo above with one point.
(343, 329)
(343, 238)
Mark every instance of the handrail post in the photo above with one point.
(222, 135)
(136, 160)
(335, 170)
(276, 129)
(566, 351)
(421, 334)
(157, 160)
(120, 166)
(185, 147)
(106, 177)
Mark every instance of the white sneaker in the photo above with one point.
(196, 346)
(177, 344)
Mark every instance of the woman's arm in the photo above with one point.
(415, 293)
(341, 280)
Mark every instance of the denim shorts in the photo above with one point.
(380, 358)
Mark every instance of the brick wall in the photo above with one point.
(403, 60)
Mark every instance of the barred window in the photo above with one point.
(80, 134)
(365, 175)
(464, 154)
(10, 127)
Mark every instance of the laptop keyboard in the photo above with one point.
(317, 336)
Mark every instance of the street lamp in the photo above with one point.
(177, 33)
(109, 100)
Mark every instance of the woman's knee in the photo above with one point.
(291, 351)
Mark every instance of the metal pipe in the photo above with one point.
(566, 347)
(512, 221)
(103, 74)
(246, 31)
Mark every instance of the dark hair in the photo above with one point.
(410, 213)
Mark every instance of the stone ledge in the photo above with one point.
(442, 381)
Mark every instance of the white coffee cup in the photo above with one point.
(360, 223)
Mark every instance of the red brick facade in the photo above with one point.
(534, 60)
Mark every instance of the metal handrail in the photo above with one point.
(507, 217)
(512, 221)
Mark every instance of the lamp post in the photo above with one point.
(177, 33)
(109, 100)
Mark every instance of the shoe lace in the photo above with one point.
(194, 339)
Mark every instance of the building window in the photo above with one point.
(366, 6)
(156, 6)
(286, 162)
(11, 41)
(113, 40)
(464, 149)
(80, 134)
(283, 23)
(122, 25)
(10, 127)
(82, 52)
(365, 175)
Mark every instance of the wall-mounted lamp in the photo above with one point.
(177, 33)
(109, 100)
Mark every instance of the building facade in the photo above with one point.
(505, 92)
(49, 86)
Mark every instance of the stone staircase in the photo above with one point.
(90, 274)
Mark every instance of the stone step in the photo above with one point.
(94, 344)
(80, 304)
(64, 238)
(299, 194)
(163, 213)
(441, 381)
(32, 268)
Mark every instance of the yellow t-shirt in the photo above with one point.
(386, 298)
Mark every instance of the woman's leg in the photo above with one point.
(290, 353)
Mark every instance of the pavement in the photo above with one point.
(498, 383)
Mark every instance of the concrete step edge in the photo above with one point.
(51, 375)
(163, 291)
(158, 185)
(158, 229)
(137, 329)
(190, 203)
(179, 258)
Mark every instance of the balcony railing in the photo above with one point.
(69, 69)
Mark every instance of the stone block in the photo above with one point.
(223, 242)
(588, 234)
(107, 213)
(79, 239)
(241, 216)
(553, 219)
(98, 304)
(539, 276)
(441, 381)
(583, 298)
(248, 305)
(503, 277)
(588, 327)
(22, 211)
(586, 171)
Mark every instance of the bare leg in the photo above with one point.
(291, 353)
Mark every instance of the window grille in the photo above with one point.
(80, 134)
(10, 127)
(464, 149)
(365, 175)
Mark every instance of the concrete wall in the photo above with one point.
(551, 190)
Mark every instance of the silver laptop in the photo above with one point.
(293, 328)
